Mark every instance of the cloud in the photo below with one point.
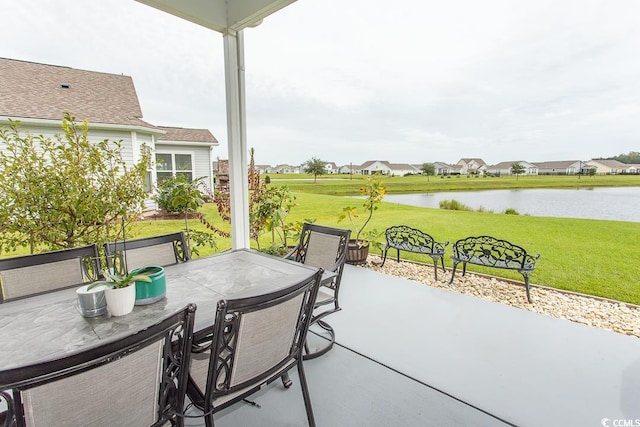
(353, 80)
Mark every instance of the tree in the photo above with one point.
(428, 169)
(517, 169)
(179, 194)
(67, 191)
(268, 208)
(314, 167)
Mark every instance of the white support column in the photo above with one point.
(236, 139)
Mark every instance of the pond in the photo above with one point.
(619, 203)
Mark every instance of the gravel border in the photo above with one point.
(600, 313)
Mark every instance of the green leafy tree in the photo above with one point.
(629, 158)
(67, 191)
(428, 169)
(279, 202)
(517, 169)
(179, 194)
(373, 191)
(315, 167)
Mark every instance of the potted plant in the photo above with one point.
(120, 290)
(358, 248)
(155, 289)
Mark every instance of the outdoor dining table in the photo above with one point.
(47, 326)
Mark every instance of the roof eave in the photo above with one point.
(196, 143)
(92, 125)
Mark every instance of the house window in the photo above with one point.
(173, 164)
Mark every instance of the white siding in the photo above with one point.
(201, 158)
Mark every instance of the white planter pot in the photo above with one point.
(120, 301)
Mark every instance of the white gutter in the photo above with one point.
(92, 125)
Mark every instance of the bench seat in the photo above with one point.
(404, 238)
(488, 251)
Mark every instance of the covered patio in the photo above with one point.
(412, 355)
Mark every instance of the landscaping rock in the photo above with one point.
(604, 314)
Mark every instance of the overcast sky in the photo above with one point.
(409, 81)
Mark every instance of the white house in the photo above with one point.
(284, 168)
(331, 168)
(561, 167)
(504, 168)
(608, 167)
(347, 169)
(471, 166)
(385, 168)
(633, 168)
(442, 168)
(264, 168)
(38, 95)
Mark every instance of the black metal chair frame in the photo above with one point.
(176, 329)
(87, 255)
(298, 254)
(221, 339)
(115, 251)
(488, 251)
(402, 237)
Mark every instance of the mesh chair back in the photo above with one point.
(159, 250)
(252, 342)
(323, 250)
(35, 274)
(162, 254)
(137, 380)
(323, 247)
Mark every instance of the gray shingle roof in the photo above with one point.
(555, 164)
(187, 135)
(41, 91)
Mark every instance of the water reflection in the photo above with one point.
(619, 203)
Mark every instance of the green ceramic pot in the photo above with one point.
(150, 292)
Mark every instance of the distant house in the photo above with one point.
(331, 167)
(385, 168)
(562, 167)
(38, 95)
(264, 168)
(608, 167)
(442, 168)
(633, 168)
(471, 166)
(347, 169)
(504, 168)
(284, 168)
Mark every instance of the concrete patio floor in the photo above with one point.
(412, 355)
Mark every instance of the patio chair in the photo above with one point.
(326, 248)
(29, 275)
(252, 342)
(163, 250)
(139, 379)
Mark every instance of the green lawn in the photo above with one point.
(589, 256)
(344, 185)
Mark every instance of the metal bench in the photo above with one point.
(403, 238)
(488, 251)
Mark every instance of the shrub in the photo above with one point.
(483, 209)
(66, 191)
(511, 211)
(454, 205)
(267, 179)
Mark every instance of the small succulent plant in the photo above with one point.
(115, 280)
